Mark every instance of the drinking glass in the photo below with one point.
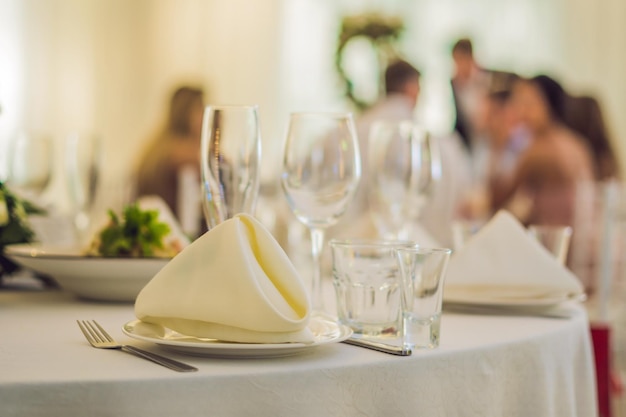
(422, 278)
(404, 167)
(83, 163)
(366, 278)
(30, 164)
(555, 239)
(230, 162)
(321, 172)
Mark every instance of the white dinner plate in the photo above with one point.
(90, 277)
(508, 297)
(324, 331)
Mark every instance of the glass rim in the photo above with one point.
(372, 243)
(424, 250)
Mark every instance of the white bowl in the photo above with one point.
(95, 278)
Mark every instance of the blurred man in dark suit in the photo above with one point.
(469, 84)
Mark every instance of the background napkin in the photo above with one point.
(503, 261)
(234, 283)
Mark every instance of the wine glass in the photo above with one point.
(83, 164)
(404, 166)
(30, 164)
(321, 172)
(230, 162)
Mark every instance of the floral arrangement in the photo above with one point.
(381, 31)
(14, 226)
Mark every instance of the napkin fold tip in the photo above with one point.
(502, 257)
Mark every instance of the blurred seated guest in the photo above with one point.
(584, 115)
(173, 156)
(555, 161)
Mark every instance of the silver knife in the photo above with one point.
(379, 346)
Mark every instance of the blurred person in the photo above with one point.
(554, 163)
(469, 84)
(504, 140)
(584, 115)
(402, 89)
(175, 151)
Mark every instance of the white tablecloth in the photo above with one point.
(485, 366)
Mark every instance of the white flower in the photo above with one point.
(4, 210)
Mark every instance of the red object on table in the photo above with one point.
(601, 337)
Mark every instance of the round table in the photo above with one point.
(487, 365)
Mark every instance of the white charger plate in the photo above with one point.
(324, 331)
(90, 277)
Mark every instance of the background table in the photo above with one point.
(485, 366)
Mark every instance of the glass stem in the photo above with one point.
(317, 245)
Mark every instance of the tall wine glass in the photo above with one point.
(230, 161)
(30, 164)
(83, 164)
(404, 166)
(321, 171)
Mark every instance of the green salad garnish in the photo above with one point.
(139, 233)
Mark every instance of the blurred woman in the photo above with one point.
(174, 149)
(584, 115)
(503, 140)
(556, 160)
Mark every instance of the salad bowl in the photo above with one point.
(89, 277)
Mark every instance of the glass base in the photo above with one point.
(421, 332)
(377, 330)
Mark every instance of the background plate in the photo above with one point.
(103, 279)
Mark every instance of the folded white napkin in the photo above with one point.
(234, 283)
(502, 261)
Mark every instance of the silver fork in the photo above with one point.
(99, 338)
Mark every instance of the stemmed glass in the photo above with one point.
(30, 164)
(83, 164)
(230, 162)
(321, 171)
(404, 166)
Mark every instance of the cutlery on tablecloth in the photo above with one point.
(99, 338)
(379, 346)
